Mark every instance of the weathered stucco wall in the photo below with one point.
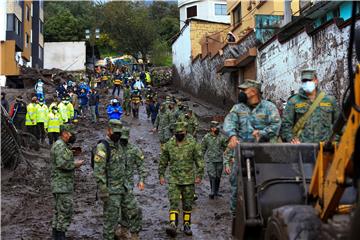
(279, 65)
(205, 83)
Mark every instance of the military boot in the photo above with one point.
(217, 186)
(187, 223)
(54, 234)
(212, 188)
(171, 230)
(61, 235)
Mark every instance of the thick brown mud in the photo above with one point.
(26, 198)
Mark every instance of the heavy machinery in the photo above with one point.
(304, 191)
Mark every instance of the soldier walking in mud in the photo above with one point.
(131, 214)
(109, 171)
(182, 154)
(213, 146)
(62, 181)
(162, 124)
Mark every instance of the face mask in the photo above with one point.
(179, 136)
(308, 86)
(72, 139)
(187, 116)
(217, 131)
(124, 142)
(115, 137)
(41, 103)
(242, 98)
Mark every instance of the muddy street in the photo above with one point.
(27, 200)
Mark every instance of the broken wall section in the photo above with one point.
(279, 64)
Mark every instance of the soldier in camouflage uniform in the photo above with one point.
(257, 120)
(127, 100)
(213, 146)
(162, 124)
(62, 181)
(182, 154)
(192, 122)
(318, 126)
(131, 215)
(109, 172)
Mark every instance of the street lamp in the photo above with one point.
(90, 37)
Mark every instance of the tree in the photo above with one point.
(61, 27)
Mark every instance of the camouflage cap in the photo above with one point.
(248, 83)
(308, 74)
(115, 125)
(168, 98)
(125, 133)
(214, 124)
(67, 128)
(180, 126)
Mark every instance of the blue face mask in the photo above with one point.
(308, 86)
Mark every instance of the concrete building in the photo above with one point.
(201, 22)
(72, 56)
(208, 10)
(19, 38)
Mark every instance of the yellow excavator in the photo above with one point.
(304, 191)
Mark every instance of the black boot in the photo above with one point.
(171, 230)
(54, 234)
(187, 223)
(212, 188)
(217, 186)
(61, 236)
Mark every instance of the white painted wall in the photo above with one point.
(65, 55)
(181, 51)
(3, 20)
(279, 65)
(205, 11)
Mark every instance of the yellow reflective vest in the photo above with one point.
(30, 119)
(53, 122)
(63, 112)
(147, 77)
(41, 113)
(70, 110)
(117, 81)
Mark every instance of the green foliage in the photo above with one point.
(61, 27)
(161, 54)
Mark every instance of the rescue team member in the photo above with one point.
(117, 82)
(252, 120)
(213, 146)
(62, 181)
(310, 114)
(53, 124)
(182, 154)
(30, 121)
(42, 112)
(18, 113)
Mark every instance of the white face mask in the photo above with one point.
(308, 86)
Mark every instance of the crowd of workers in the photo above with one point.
(308, 118)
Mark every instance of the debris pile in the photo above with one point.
(161, 76)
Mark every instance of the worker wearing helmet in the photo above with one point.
(114, 109)
(41, 118)
(39, 89)
(53, 124)
(30, 119)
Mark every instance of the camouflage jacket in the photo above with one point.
(192, 123)
(127, 94)
(185, 161)
(63, 168)
(134, 160)
(213, 147)
(318, 127)
(162, 124)
(242, 121)
(110, 175)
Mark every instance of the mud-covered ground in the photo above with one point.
(26, 199)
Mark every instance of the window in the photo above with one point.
(41, 52)
(220, 9)
(27, 40)
(27, 13)
(237, 15)
(41, 27)
(10, 22)
(191, 11)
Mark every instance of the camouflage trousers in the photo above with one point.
(185, 193)
(214, 169)
(127, 106)
(131, 214)
(112, 211)
(63, 211)
(234, 186)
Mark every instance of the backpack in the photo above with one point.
(93, 152)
